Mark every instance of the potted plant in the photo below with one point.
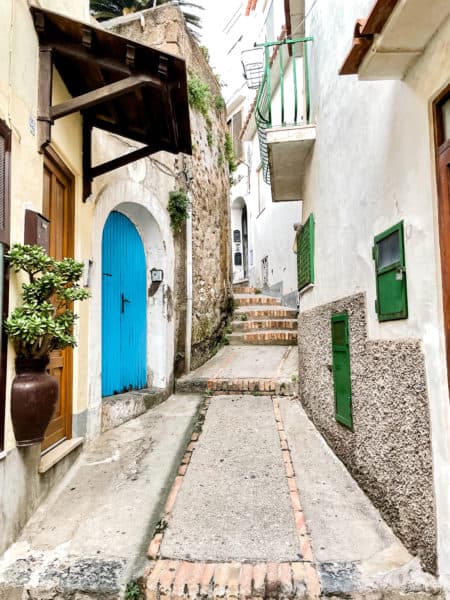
(42, 323)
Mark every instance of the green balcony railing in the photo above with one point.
(283, 97)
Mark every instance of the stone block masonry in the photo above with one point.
(389, 450)
(164, 28)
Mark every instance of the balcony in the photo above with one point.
(283, 117)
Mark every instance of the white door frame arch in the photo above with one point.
(153, 224)
(237, 207)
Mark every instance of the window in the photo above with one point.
(389, 256)
(235, 126)
(305, 253)
(5, 153)
(341, 369)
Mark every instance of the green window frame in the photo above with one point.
(305, 253)
(390, 272)
(341, 369)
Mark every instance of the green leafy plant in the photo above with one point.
(204, 50)
(198, 94)
(178, 209)
(219, 102)
(243, 317)
(133, 591)
(44, 322)
(209, 138)
(229, 153)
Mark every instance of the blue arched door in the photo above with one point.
(124, 301)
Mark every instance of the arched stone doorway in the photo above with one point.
(150, 218)
(240, 240)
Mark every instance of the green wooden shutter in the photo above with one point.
(341, 369)
(390, 269)
(305, 253)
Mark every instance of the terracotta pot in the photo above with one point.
(34, 394)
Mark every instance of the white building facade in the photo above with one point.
(373, 317)
(262, 232)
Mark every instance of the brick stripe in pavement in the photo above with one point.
(173, 579)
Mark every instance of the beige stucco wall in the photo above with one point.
(21, 487)
(18, 107)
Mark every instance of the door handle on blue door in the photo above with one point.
(123, 300)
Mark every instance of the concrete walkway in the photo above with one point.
(246, 369)
(219, 495)
(262, 508)
(89, 538)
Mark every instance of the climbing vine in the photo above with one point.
(198, 94)
(178, 209)
(229, 153)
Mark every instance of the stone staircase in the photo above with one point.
(262, 320)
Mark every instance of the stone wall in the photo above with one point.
(164, 29)
(389, 450)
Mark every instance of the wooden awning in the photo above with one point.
(117, 84)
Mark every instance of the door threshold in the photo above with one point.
(57, 452)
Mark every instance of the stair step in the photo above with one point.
(273, 337)
(264, 324)
(255, 300)
(266, 312)
(241, 289)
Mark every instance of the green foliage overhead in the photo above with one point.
(229, 153)
(45, 320)
(178, 209)
(109, 9)
(198, 94)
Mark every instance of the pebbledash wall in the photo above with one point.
(372, 166)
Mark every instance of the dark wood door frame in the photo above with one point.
(442, 150)
(54, 164)
(5, 132)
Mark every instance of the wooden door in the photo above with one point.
(124, 307)
(58, 207)
(441, 111)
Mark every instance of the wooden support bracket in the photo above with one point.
(103, 94)
(44, 97)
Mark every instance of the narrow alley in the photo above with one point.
(229, 492)
(224, 300)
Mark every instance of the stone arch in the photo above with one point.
(153, 224)
(239, 222)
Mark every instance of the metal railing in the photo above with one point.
(269, 114)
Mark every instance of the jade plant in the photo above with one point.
(45, 319)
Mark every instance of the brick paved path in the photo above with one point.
(234, 525)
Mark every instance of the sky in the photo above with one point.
(214, 18)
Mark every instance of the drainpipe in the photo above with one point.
(188, 336)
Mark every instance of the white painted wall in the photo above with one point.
(372, 166)
(140, 192)
(270, 225)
